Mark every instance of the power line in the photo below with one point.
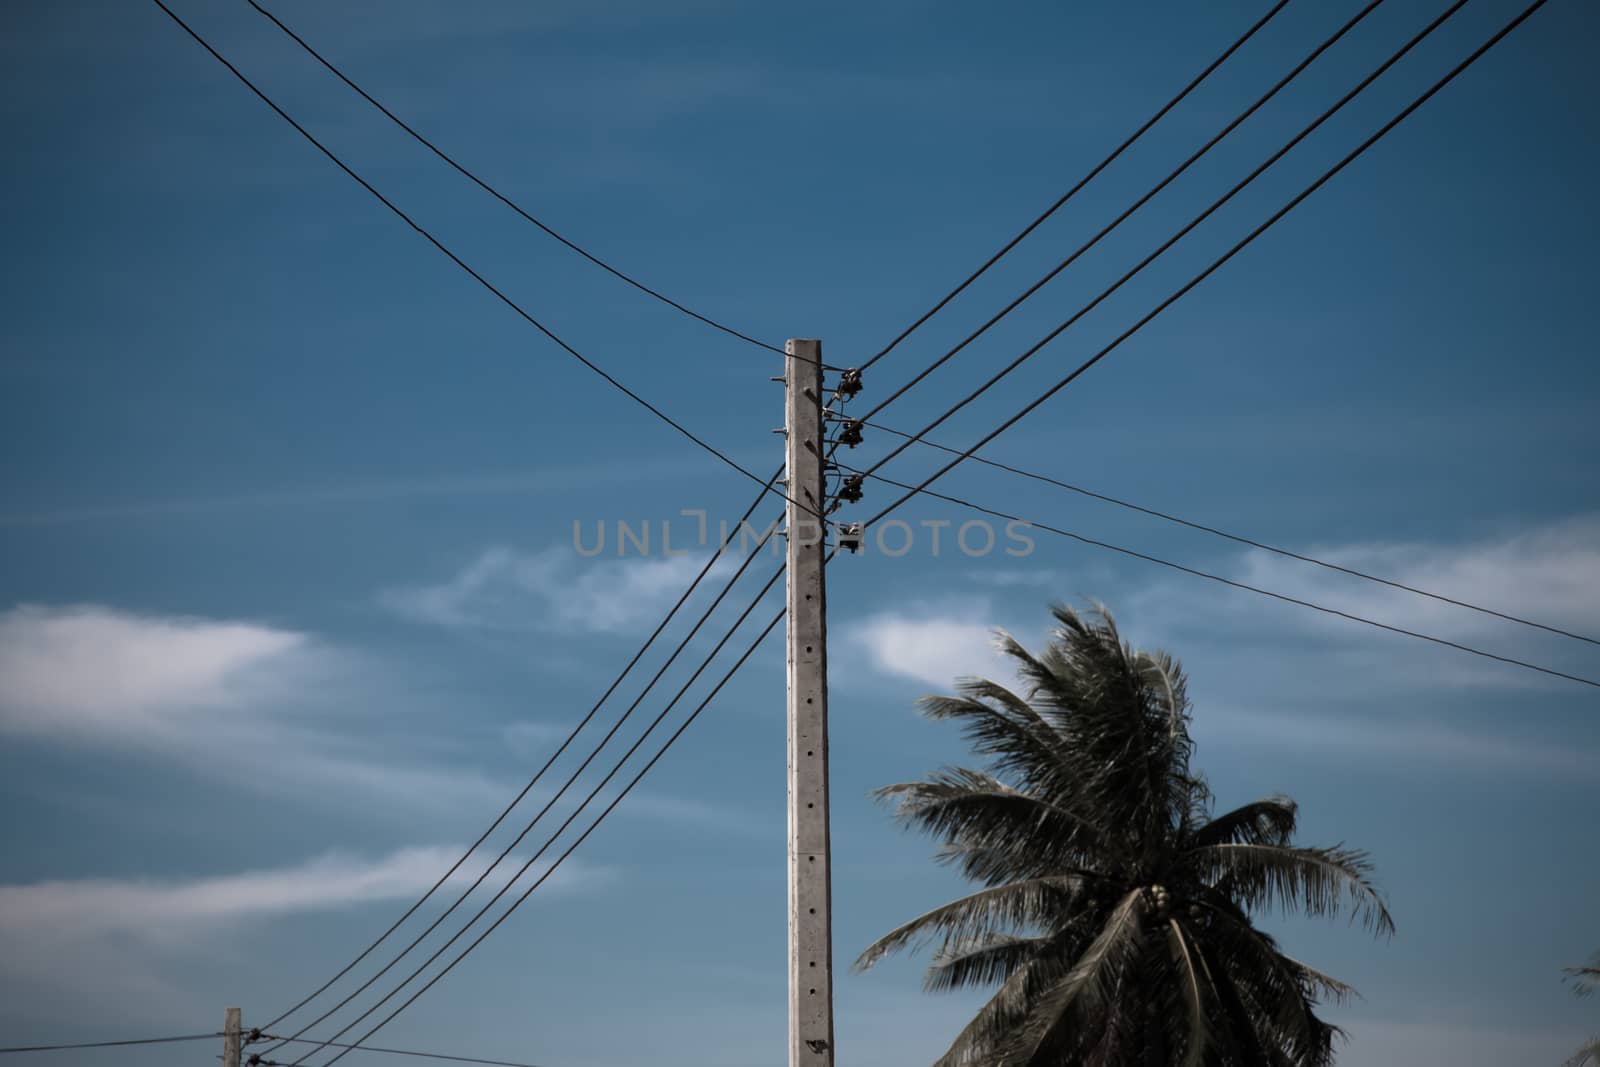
(1238, 538)
(507, 201)
(572, 778)
(923, 490)
(457, 260)
(1150, 194)
(111, 1044)
(1085, 180)
(609, 807)
(1175, 238)
(1208, 271)
(390, 1052)
(571, 737)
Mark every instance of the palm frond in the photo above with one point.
(1199, 1040)
(1264, 822)
(1586, 978)
(1281, 991)
(1019, 744)
(1589, 1053)
(1090, 984)
(971, 809)
(979, 963)
(987, 913)
(1318, 881)
(980, 1041)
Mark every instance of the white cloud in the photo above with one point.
(127, 940)
(934, 645)
(554, 590)
(182, 689)
(188, 911)
(77, 670)
(1548, 573)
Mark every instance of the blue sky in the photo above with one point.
(288, 603)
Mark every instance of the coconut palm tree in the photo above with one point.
(1115, 911)
(1584, 981)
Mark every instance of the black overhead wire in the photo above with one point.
(604, 813)
(388, 1052)
(543, 811)
(924, 491)
(457, 260)
(507, 201)
(1187, 228)
(1085, 180)
(111, 1044)
(1150, 194)
(532, 782)
(1208, 271)
(1238, 538)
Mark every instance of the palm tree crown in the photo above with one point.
(1115, 911)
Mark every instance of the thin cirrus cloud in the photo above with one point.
(551, 590)
(1343, 682)
(131, 945)
(181, 687)
(1546, 572)
(94, 671)
(188, 911)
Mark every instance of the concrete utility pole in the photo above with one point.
(230, 1038)
(810, 880)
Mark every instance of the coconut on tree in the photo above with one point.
(1116, 913)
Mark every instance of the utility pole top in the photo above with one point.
(230, 1038)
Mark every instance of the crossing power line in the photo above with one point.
(1188, 227)
(1149, 194)
(672, 612)
(571, 779)
(672, 739)
(1236, 538)
(1178, 294)
(386, 1051)
(1085, 180)
(126, 1042)
(1048, 528)
(498, 195)
(457, 260)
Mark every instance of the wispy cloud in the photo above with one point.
(103, 938)
(92, 670)
(554, 590)
(189, 911)
(305, 495)
(1429, 741)
(1547, 572)
(179, 689)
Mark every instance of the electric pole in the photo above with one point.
(810, 880)
(230, 1038)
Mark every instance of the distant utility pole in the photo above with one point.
(810, 881)
(230, 1038)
